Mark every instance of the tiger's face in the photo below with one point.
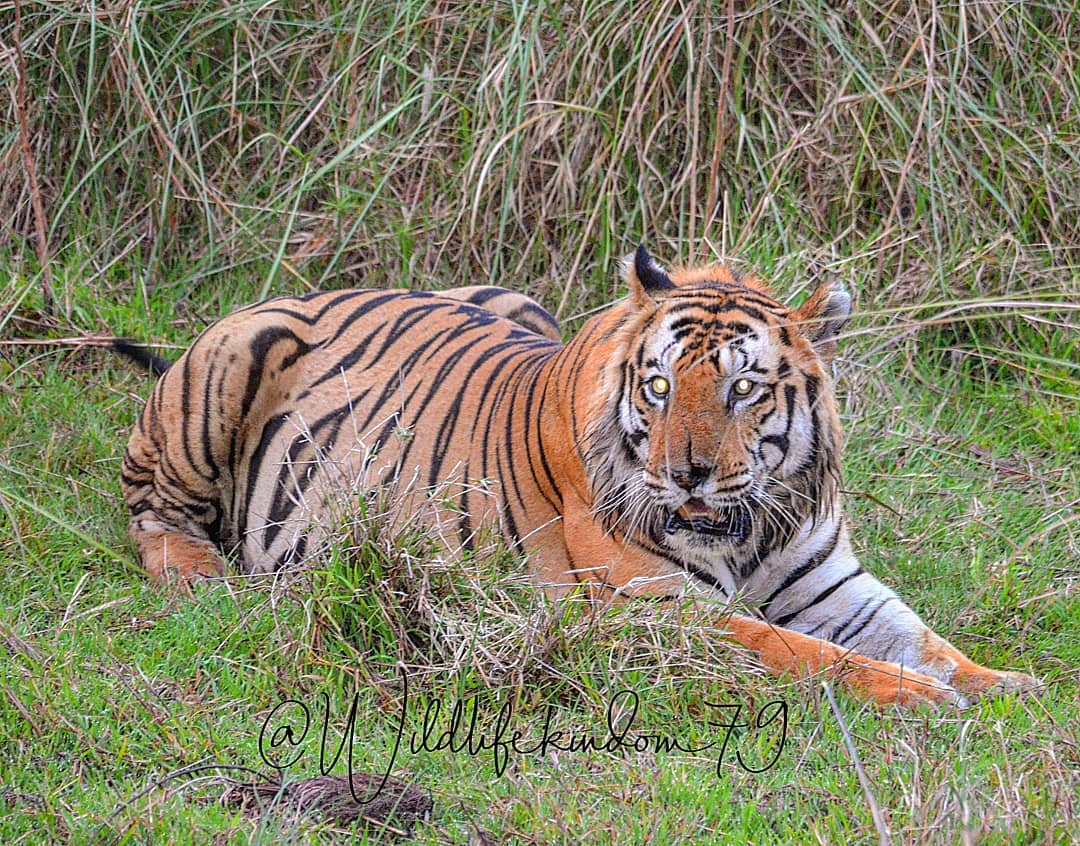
(715, 426)
(724, 408)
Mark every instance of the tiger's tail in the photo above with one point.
(140, 355)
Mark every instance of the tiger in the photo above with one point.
(684, 444)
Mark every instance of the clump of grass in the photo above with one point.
(388, 593)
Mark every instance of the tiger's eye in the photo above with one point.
(742, 387)
(660, 386)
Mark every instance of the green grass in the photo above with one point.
(192, 157)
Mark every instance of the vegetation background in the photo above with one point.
(162, 162)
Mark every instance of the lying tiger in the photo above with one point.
(686, 438)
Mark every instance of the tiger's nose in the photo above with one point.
(690, 477)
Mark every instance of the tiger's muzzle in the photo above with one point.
(729, 522)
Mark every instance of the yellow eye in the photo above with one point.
(660, 386)
(742, 387)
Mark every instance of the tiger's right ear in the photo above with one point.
(646, 277)
(823, 315)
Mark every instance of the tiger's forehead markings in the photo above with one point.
(683, 347)
(707, 335)
(724, 359)
(716, 298)
(712, 321)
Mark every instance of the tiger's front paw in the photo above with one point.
(982, 681)
(944, 661)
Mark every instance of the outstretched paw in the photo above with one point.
(981, 681)
(944, 661)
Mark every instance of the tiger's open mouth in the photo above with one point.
(732, 522)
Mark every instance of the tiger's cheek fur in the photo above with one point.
(794, 425)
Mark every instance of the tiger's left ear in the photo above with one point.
(822, 317)
(646, 277)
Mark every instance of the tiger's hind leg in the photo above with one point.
(176, 557)
(174, 513)
(174, 542)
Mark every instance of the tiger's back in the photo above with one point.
(284, 408)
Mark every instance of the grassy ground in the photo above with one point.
(190, 157)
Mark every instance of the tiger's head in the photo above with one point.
(720, 430)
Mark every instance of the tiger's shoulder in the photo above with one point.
(513, 305)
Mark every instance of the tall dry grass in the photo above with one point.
(929, 150)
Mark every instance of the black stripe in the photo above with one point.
(702, 576)
(187, 418)
(715, 307)
(869, 617)
(509, 526)
(532, 422)
(741, 330)
(411, 317)
(508, 476)
(766, 395)
(783, 442)
(371, 301)
(821, 597)
(533, 315)
(259, 349)
(684, 323)
(548, 474)
(495, 403)
(255, 468)
(812, 454)
(207, 440)
(297, 553)
(393, 386)
(360, 346)
(465, 532)
(578, 349)
(733, 296)
(766, 544)
(485, 295)
(814, 561)
(446, 425)
(335, 299)
(837, 630)
(812, 385)
(321, 434)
